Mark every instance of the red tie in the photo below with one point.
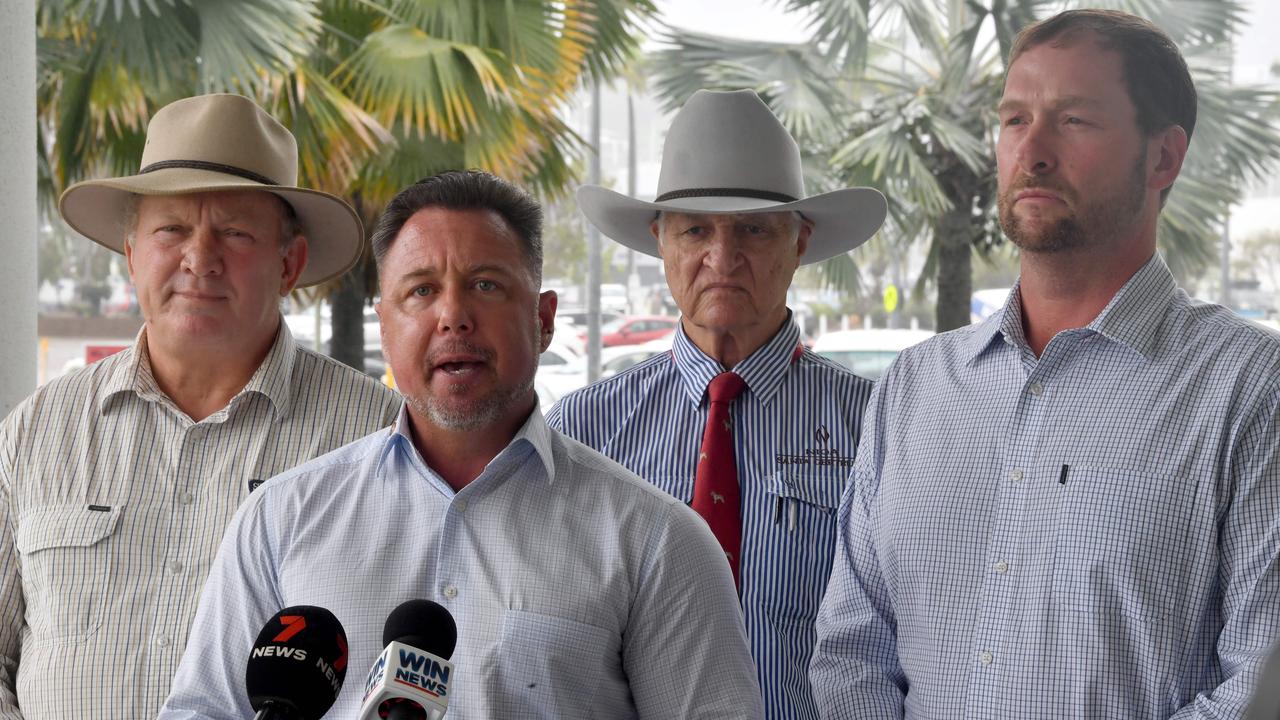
(715, 484)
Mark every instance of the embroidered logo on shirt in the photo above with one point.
(818, 456)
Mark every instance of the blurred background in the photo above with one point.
(895, 94)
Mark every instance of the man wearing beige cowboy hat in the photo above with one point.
(739, 420)
(116, 482)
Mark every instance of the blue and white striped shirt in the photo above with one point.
(796, 429)
(1092, 533)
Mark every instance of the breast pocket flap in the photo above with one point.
(56, 526)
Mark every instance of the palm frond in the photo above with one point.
(240, 40)
(335, 135)
(432, 86)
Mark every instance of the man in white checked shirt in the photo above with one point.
(117, 481)
(755, 432)
(1072, 509)
(579, 591)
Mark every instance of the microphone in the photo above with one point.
(410, 679)
(297, 664)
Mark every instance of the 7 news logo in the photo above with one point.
(293, 626)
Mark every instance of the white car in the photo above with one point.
(867, 352)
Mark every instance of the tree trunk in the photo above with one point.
(347, 341)
(955, 276)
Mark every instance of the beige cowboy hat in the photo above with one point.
(726, 153)
(212, 143)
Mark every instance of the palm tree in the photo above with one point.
(378, 94)
(902, 95)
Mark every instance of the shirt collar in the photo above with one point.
(1132, 317)
(132, 374)
(762, 370)
(534, 432)
(271, 379)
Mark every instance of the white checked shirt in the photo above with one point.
(113, 503)
(579, 591)
(795, 428)
(1091, 534)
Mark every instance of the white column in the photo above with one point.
(18, 351)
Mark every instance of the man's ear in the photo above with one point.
(1166, 151)
(802, 239)
(295, 259)
(656, 231)
(546, 318)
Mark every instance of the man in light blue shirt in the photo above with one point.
(579, 591)
(1071, 510)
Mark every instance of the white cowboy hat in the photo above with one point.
(727, 153)
(212, 143)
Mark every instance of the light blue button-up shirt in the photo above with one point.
(795, 428)
(1094, 533)
(579, 591)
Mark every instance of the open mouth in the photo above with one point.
(462, 367)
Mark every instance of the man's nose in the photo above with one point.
(724, 252)
(1036, 154)
(202, 253)
(453, 313)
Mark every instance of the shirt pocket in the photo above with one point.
(550, 667)
(66, 568)
(798, 540)
(1121, 546)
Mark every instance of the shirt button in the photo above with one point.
(1002, 567)
(460, 505)
(985, 658)
(175, 567)
(1016, 475)
(450, 591)
(1036, 389)
(186, 498)
(162, 641)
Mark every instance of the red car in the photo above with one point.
(636, 329)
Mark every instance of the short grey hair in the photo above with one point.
(290, 224)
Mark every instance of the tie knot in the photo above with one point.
(725, 387)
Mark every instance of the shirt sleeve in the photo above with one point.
(1249, 570)
(12, 602)
(855, 671)
(240, 595)
(685, 648)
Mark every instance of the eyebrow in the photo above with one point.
(1057, 104)
(432, 271)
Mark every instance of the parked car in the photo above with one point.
(620, 357)
(613, 298)
(867, 352)
(636, 329)
(560, 370)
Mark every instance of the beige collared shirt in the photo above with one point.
(113, 502)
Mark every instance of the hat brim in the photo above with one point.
(842, 219)
(335, 236)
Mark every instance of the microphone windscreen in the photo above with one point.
(299, 661)
(422, 624)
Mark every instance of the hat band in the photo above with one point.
(724, 192)
(211, 166)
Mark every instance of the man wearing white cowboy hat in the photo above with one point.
(740, 420)
(116, 482)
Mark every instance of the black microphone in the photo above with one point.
(410, 680)
(297, 664)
